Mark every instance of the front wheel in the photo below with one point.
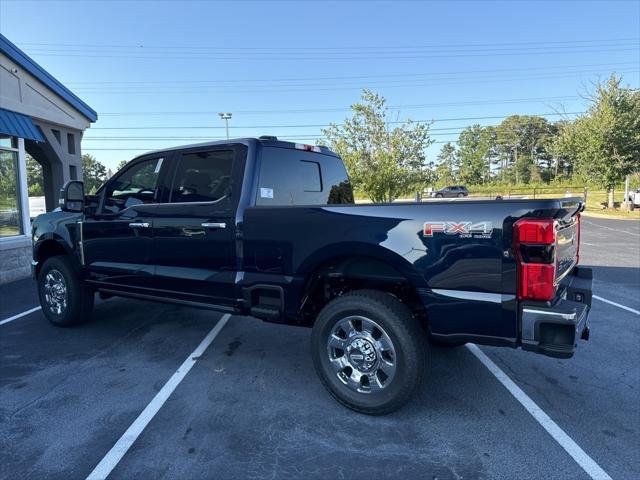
(64, 299)
(369, 351)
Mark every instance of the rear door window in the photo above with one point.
(296, 177)
(202, 176)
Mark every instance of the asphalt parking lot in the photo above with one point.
(251, 406)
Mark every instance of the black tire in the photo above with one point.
(78, 298)
(460, 195)
(438, 195)
(397, 324)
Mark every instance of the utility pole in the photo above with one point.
(626, 203)
(225, 117)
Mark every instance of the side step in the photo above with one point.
(265, 312)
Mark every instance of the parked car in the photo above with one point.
(268, 228)
(451, 192)
(634, 197)
(9, 218)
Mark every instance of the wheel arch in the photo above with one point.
(338, 269)
(50, 246)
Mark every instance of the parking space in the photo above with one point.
(252, 406)
(612, 249)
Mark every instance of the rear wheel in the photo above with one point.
(460, 195)
(369, 351)
(64, 299)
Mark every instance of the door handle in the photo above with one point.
(213, 225)
(139, 225)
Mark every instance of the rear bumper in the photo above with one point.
(554, 328)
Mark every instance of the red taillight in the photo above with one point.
(536, 280)
(536, 231)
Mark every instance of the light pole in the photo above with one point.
(225, 117)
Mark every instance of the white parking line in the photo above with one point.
(113, 456)
(629, 309)
(611, 228)
(19, 315)
(572, 448)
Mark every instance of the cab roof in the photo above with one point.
(265, 141)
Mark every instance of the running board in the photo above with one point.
(173, 301)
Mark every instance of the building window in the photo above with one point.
(71, 144)
(8, 142)
(10, 216)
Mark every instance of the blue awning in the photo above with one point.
(18, 125)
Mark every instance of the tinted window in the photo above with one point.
(135, 185)
(202, 177)
(296, 177)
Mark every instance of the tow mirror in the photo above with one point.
(72, 196)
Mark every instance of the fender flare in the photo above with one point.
(361, 249)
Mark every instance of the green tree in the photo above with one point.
(384, 162)
(475, 150)
(561, 165)
(121, 164)
(604, 143)
(94, 173)
(523, 142)
(35, 179)
(447, 165)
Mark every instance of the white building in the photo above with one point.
(40, 116)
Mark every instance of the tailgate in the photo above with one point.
(567, 246)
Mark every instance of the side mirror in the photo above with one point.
(72, 196)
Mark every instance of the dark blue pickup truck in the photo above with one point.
(269, 228)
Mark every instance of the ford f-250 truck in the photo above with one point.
(269, 228)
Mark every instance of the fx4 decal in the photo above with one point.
(462, 229)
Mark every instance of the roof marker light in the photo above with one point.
(308, 148)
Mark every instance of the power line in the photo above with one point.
(164, 127)
(206, 137)
(262, 47)
(147, 149)
(319, 51)
(431, 129)
(346, 109)
(337, 53)
(289, 58)
(349, 77)
(302, 88)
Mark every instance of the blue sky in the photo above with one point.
(289, 67)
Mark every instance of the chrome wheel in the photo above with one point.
(361, 354)
(55, 291)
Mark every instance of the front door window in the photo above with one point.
(135, 186)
